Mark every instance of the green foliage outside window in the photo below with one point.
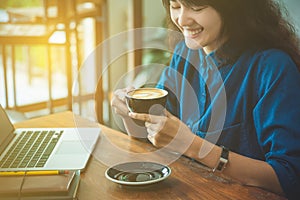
(19, 3)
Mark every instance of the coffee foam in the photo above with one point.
(147, 94)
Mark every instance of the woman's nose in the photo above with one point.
(184, 17)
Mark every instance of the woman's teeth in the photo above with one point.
(191, 32)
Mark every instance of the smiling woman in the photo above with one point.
(199, 24)
(249, 29)
(233, 86)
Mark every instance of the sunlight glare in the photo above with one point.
(58, 37)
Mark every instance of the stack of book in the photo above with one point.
(38, 186)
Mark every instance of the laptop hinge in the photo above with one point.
(6, 142)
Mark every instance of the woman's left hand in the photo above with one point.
(166, 130)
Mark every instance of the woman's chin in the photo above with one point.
(192, 44)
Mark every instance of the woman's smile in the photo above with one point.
(192, 33)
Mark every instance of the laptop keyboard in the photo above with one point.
(31, 150)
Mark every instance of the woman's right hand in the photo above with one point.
(118, 101)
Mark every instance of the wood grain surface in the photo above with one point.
(188, 180)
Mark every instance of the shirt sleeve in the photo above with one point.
(277, 118)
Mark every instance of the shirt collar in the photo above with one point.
(213, 59)
(210, 59)
(229, 51)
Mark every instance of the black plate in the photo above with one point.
(137, 173)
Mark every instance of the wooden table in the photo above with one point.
(188, 180)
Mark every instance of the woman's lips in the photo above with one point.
(192, 32)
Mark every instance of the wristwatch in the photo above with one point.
(223, 160)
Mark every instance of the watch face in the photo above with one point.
(221, 165)
(223, 159)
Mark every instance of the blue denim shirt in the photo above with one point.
(260, 114)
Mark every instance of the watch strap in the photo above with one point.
(223, 160)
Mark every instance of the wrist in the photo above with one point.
(206, 153)
(223, 160)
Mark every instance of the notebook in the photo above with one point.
(27, 149)
(42, 187)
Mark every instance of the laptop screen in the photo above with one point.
(6, 129)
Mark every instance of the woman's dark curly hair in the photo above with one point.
(251, 24)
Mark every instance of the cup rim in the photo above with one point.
(164, 91)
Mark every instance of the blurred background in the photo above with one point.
(45, 43)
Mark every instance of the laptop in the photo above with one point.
(27, 149)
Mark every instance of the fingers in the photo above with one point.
(154, 129)
(120, 93)
(120, 108)
(142, 117)
(152, 132)
(118, 101)
(153, 119)
(147, 124)
(168, 114)
(151, 138)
